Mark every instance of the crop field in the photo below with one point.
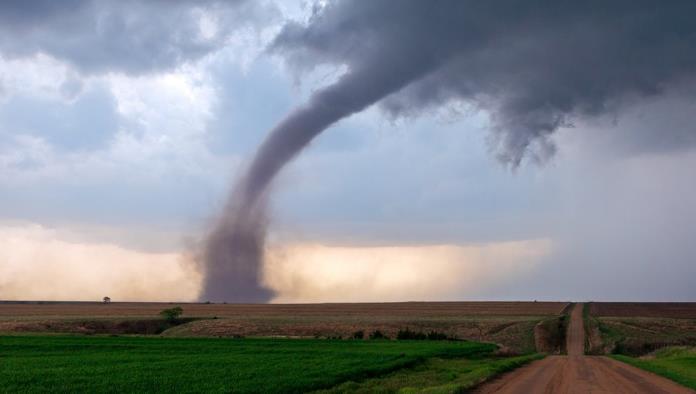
(153, 364)
(508, 323)
(675, 310)
(636, 329)
(38, 309)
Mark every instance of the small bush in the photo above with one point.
(437, 336)
(407, 334)
(377, 334)
(172, 314)
(433, 335)
(359, 334)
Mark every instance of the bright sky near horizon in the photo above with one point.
(117, 153)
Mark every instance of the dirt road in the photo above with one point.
(577, 373)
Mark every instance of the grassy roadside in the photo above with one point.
(676, 363)
(436, 375)
(593, 341)
(154, 364)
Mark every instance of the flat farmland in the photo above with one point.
(639, 328)
(510, 324)
(20, 310)
(675, 310)
(104, 364)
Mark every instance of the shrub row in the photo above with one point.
(406, 334)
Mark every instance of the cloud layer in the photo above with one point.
(314, 272)
(40, 263)
(132, 37)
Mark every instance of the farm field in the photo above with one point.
(676, 310)
(152, 364)
(510, 324)
(43, 309)
(636, 329)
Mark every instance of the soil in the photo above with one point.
(38, 309)
(676, 310)
(577, 373)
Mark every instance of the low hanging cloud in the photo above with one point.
(39, 263)
(44, 263)
(133, 37)
(315, 272)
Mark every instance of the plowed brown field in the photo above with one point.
(17, 310)
(675, 310)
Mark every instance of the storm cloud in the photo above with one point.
(534, 67)
(133, 37)
(134, 113)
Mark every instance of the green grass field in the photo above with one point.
(142, 364)
(676, 363)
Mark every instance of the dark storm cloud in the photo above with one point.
(128, 36)
(534, 66)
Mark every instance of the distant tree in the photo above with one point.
(106, 300)
(172, 314)
(377, 334)
(436, 336)
(407, 334)
(359, 334)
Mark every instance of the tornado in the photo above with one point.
(234, 250)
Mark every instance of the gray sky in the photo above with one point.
(122, 129)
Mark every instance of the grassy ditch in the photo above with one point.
(595, 342)
(675, 363)
(97, 364)
(436, 375)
